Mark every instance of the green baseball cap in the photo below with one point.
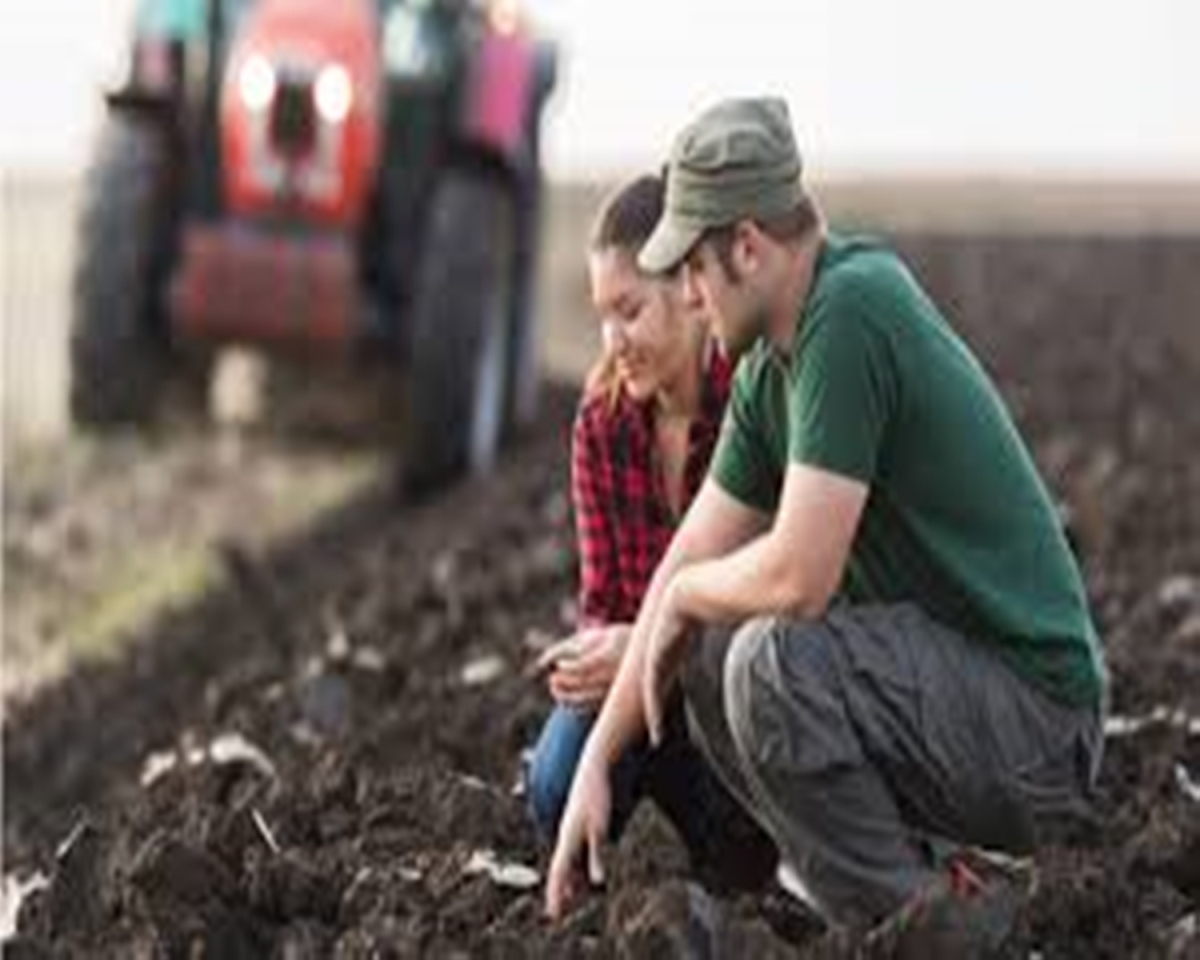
(737, 160)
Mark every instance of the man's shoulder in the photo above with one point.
(857, 270)
(864, 291)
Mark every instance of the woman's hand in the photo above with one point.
(582, 667)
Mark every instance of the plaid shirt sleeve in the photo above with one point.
(600, 586)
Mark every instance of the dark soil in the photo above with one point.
(341, 656)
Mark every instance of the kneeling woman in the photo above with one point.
(643, 436)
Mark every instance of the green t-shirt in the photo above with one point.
(879, 388)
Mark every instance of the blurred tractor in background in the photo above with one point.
(323, 177)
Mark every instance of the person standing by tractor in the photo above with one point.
(641, 444)
(884, 638)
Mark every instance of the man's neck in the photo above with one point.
(785, 308)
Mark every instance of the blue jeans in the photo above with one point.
(726, 847)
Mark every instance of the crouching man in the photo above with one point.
(885, 640)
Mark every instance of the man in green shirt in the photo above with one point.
(900, 665)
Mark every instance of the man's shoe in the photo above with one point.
(966, 914)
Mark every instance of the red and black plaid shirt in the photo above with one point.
(623, 519)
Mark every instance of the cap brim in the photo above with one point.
(670, 242)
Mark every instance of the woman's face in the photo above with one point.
(646, 328)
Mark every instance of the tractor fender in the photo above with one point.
(154, 77)
(133, 99)
(149, 76)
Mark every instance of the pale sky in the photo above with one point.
(1042, 86)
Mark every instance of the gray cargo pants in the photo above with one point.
(875, 741)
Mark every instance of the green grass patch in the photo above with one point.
(137, 592)
(170, 575)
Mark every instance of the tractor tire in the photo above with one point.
(119, 356)
(460, 325)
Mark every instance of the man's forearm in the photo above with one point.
(749, 582)
(621, 718)
(714, 525)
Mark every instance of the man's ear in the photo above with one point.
(691, 303)
(747, 247)
(687, 284)
(686, 298)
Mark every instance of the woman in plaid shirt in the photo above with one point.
(643, 436)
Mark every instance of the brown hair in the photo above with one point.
(625, 221)
(629, 215)
(787, 227)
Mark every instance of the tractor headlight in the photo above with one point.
(334, 93)
(256, 82)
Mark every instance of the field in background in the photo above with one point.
(913, 206)
(100, 536)
(36, 249)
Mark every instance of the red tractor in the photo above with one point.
(330, 178)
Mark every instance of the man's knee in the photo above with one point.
(743, 673)
(783, 696)
(706, 671)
